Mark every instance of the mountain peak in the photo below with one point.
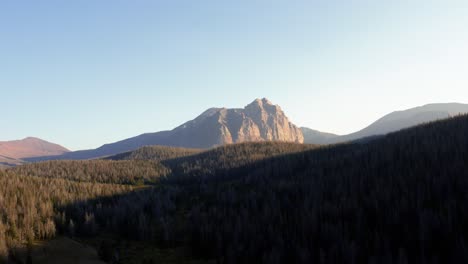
(261, 102)
(260, 120)
(31, 139)
(263, 105)
(30, 147)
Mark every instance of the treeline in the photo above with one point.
(227, 161)
(155, 153)
(100, 171)
(148, 164)
(28, 208)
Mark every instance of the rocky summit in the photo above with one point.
(259, 121)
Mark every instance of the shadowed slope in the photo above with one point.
(225, 160)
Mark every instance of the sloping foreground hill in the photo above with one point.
(228, 160)
(29, 204)
(400, 198)
(397, 199)
(69, 197)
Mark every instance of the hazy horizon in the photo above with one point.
(89, 73)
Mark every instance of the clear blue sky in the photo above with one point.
(84, 73)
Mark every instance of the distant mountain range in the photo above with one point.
(259, 121)
(315, 136)
(389, 123)
(13, 152)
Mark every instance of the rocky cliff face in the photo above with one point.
(258, 121)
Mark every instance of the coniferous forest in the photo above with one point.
(399, 198)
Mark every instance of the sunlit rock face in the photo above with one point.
(271, 122)
(258, 121)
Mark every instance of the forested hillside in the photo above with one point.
(228, 160)
(396, 199)
(155, 153)
(102, 171)
(73, 196)
(29, 208)
(400, 198)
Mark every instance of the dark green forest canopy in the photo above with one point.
(146, 165)
(155, 153)
(229, 159)
(28, 206)
(400, 198)
(102, 171)
(61, 183)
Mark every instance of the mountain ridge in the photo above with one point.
(29, 147)
(258, 121)
(392, 122)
